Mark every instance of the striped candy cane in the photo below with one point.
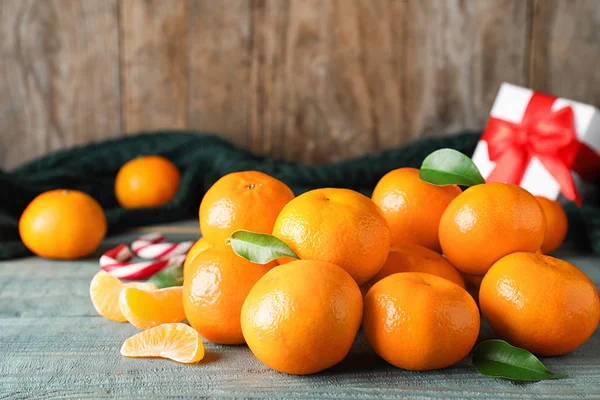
(153, 246)
(117, 261)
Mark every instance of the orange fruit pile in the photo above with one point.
(414, 265)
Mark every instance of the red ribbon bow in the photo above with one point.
(548, 135)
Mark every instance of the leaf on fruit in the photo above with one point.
(168, 277)
(259, 248)
(498, 359)
(450, 167)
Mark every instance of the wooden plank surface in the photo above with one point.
(566, 49)
(154, 64)
(53, 345)
(305, 80)
(219, 52)
(59, 75)
(334, 79)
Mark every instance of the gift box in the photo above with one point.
(538, 141)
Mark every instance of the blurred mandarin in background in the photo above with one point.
(63, 224)
(149, 181)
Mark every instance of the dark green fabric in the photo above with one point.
(202, 159)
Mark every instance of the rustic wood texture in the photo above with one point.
(154, 64)
(220, 67)
(566, 49)
(334, 79)
(54, 345)
(306, 80)
(59, 75)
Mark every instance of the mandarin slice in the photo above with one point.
(104, 292)
(148, 308)
(178, 342)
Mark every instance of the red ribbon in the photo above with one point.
(548, 135)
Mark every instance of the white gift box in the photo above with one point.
(510, 105)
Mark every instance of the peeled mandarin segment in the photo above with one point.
(178, 342)
(104, 292)
(149, 308)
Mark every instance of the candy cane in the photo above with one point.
(141, 270)
(152, 247)
(117, 261)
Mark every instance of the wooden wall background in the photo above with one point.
(308, 80)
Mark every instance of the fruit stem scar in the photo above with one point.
(250, 186)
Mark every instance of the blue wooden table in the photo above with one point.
(54, 345)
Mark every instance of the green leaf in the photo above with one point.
(498, 359)
(168, 277)
(450, 167)
(259, 248)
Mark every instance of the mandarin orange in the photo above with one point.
(556, 224)
(414, 258)
(472, 284)
(539, 303)
(149, 181)
(63, 224)
(247, 200)
(302, 317)
(413, 207)
(339, 226)
(215, 285)
(419, 321)
(487, 222)
(198, 247)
